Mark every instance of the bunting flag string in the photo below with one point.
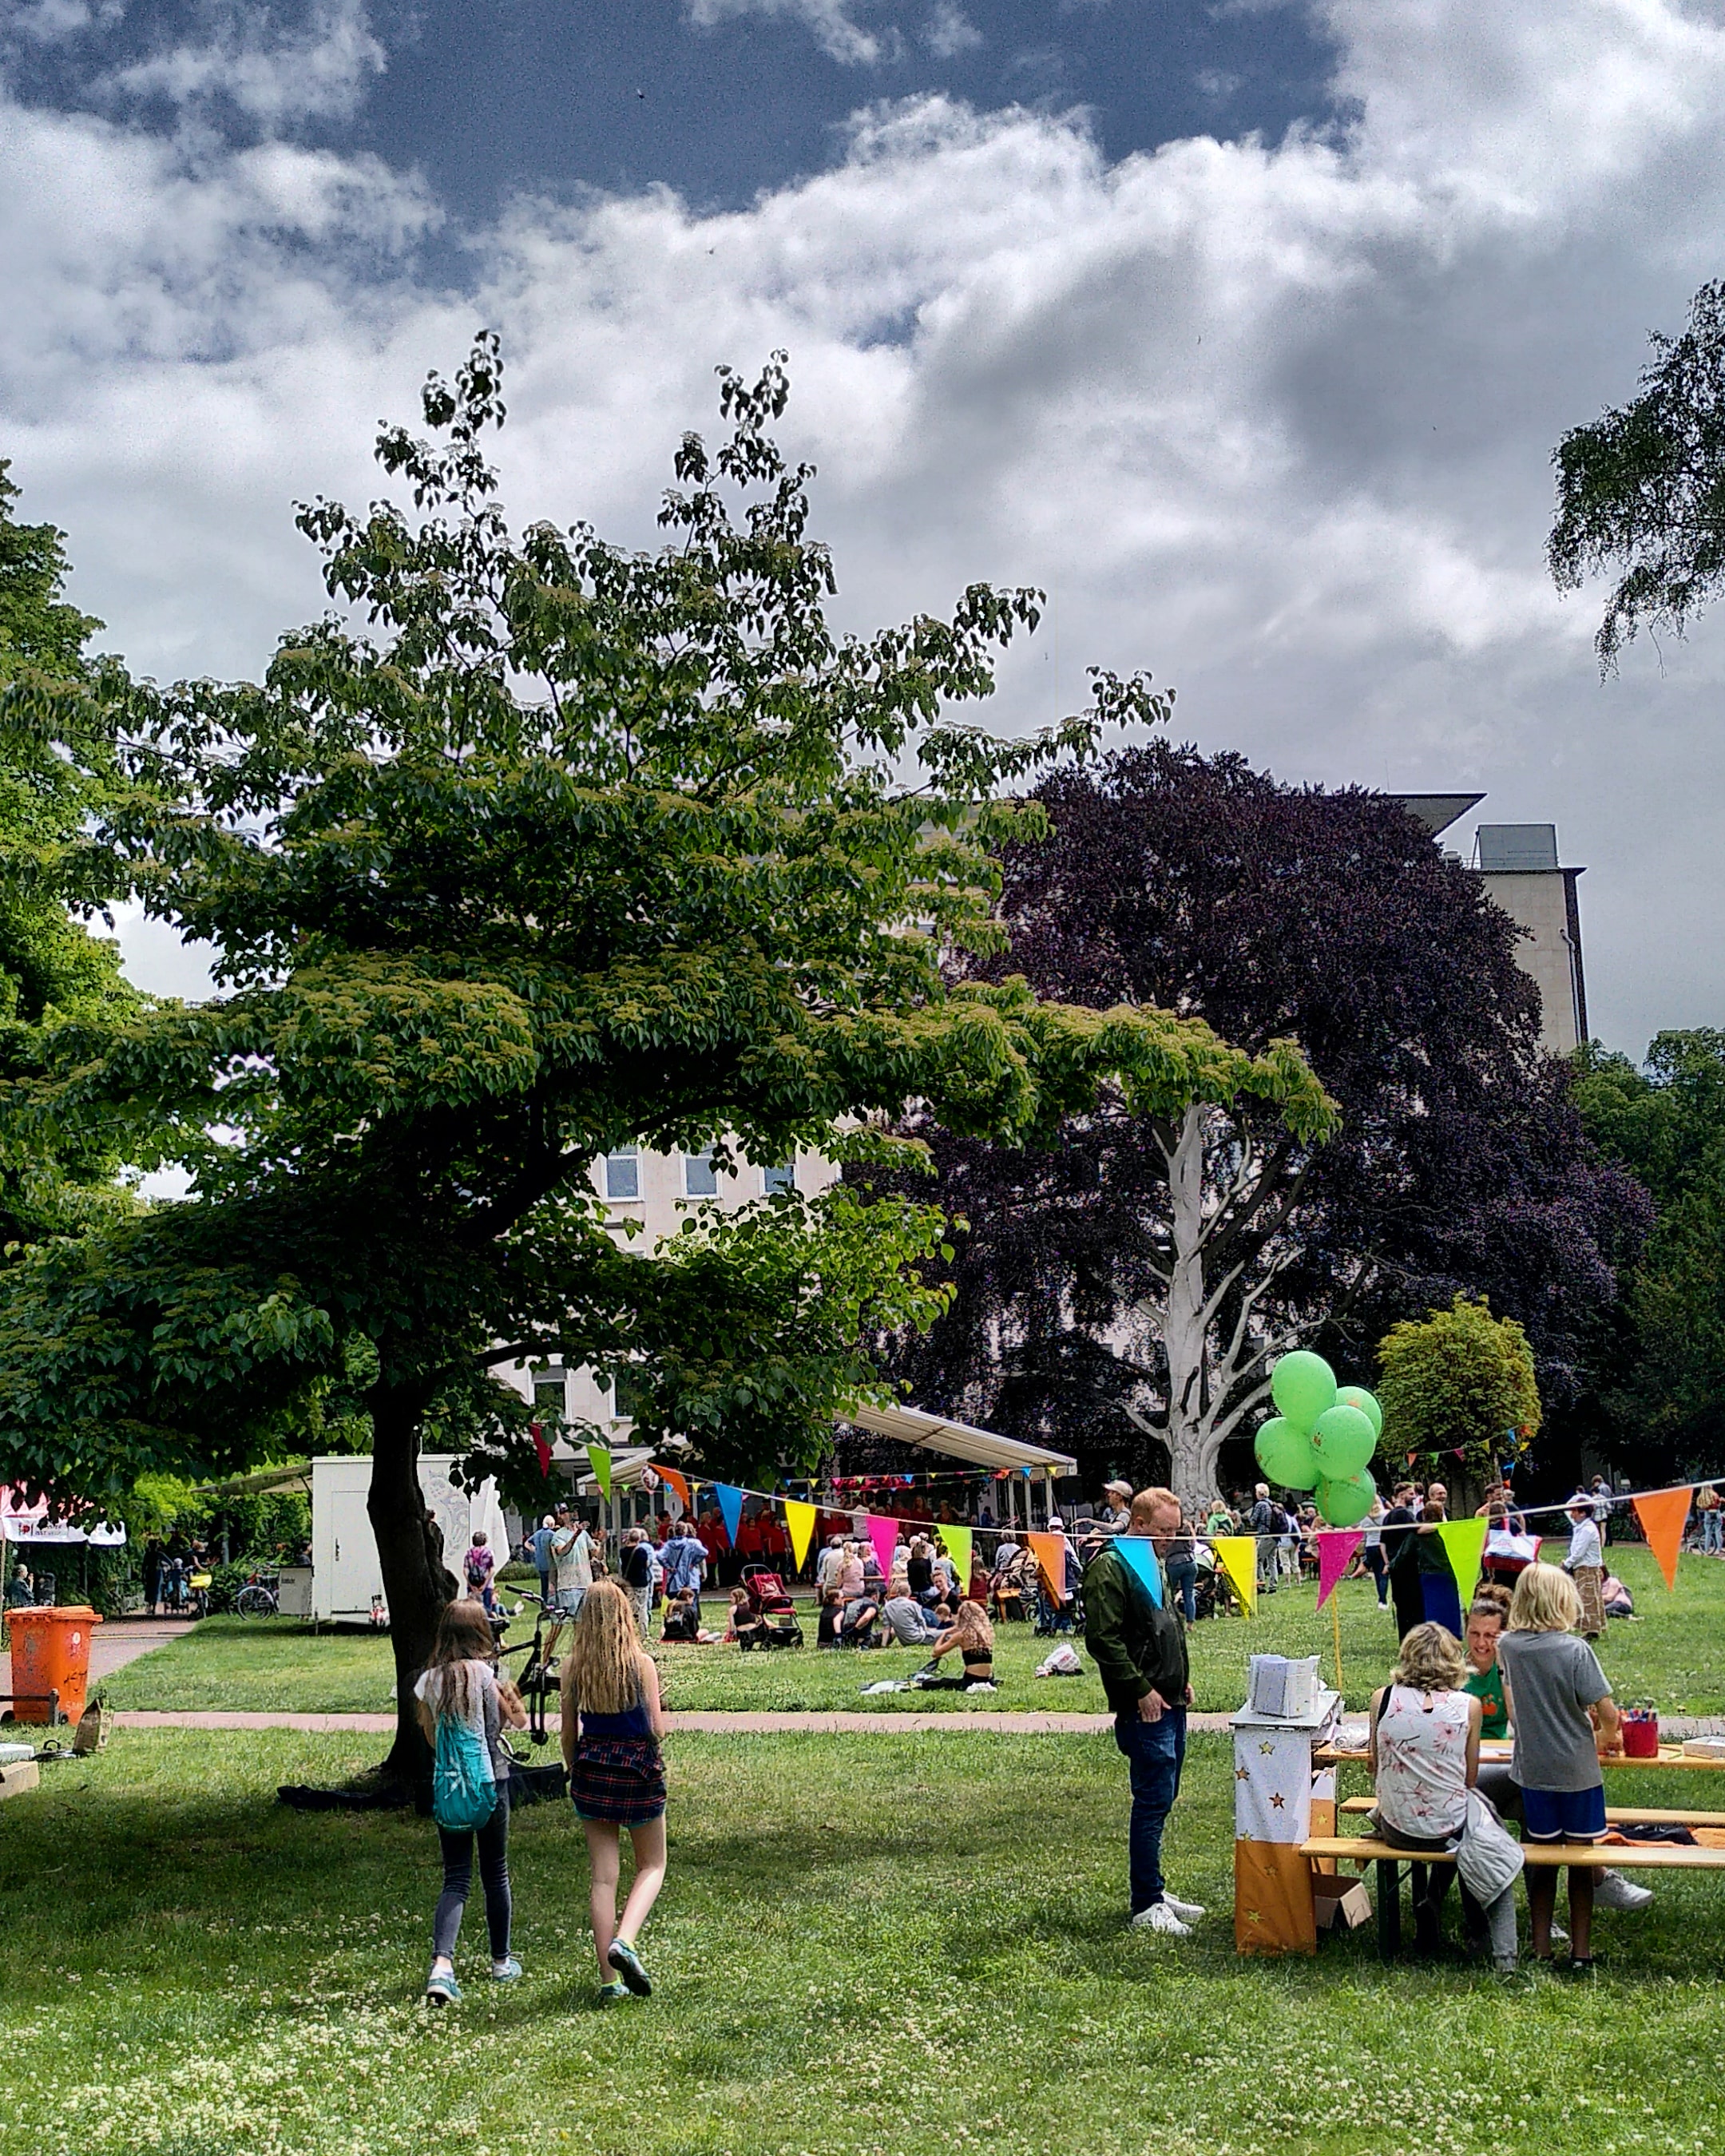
(1464, 1543)
(1663, 1514)
(1049, 1552)
(799, 1519)
(1139, 1553)
(1336, 1547)
(1238, 1557)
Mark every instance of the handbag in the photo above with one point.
(1488, 1857)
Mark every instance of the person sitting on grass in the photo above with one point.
(613, 1722)
(973, 1636)
(1425, 1758)
(682, 1622)
(745, 1627)
(460, 1686)
(832, 1612)
(1565, 1724)
(857, 1622)
(908, 1621)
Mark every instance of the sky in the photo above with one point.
(1245, 330)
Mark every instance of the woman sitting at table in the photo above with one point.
(1425, 1758)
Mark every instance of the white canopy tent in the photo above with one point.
(979, 1448)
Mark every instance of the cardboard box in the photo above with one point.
(23, 1774)
(1338, 1907)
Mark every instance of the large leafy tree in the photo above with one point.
(1641, 488)
(1126, 1290)
(1458, 1381)
(538, 846)
(51, 967)
(1662, 1378)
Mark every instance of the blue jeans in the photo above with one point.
(1182, 1581)
(1710, 1529)
(1155, 1753)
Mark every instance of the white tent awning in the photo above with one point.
(958, 1440)
(629, 1465)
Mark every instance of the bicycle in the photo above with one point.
(259, 1597)
(537, 1676)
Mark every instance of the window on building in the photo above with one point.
(549, 1397)
(781, 1177)
(622, 1172)
(700, 1178)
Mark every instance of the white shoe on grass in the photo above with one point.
(1159, 1917)
(1612, 1891)
(1189, 1912)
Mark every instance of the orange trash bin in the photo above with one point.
(50, 1653)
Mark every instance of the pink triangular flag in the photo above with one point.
(1336, 1547)
(883, 1533)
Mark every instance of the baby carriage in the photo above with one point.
(774, 1614)
(1014, 1586)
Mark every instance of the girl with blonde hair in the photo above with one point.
(1565, 1723)
(612, 1724)
(1425, 1758)
(971, 1634)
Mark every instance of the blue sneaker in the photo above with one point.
(627, 1963)
(505, 1971)
(443, 1990)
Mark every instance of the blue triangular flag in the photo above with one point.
(730, 1505)
(1139, 1552)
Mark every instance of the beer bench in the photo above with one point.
(1598, 1856)
(1615, 1815)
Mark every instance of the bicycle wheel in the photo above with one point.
(256, 1602)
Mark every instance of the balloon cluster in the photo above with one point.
(1321, 1439)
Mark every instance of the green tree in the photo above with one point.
(1641, 488)
(51, 968)
(1457, 1378)
(1663, 1376)
(538, 847)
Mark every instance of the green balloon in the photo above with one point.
(1357, 1396)
(1303, 1385)
(1344, 1440)
(1346, 1503)
(1285, 1455)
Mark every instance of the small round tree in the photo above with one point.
(1457, 1379)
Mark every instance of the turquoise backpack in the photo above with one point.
(463, 1794)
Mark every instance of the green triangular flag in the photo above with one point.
(600, 1457)
(1464, 1543)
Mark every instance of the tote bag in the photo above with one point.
(463, 1794)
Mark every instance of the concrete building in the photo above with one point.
(658, 1191)
(1518, 864)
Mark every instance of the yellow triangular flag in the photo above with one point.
(799, 1518)
(1464, 1543)
(1238, 1557)
(956, 1543)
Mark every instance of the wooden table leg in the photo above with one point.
(1389, 1907)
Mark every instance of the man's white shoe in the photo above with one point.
(1612, 1891)
(1159, 1917)
(1189, 1912)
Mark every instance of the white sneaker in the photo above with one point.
(1189, 1912)
(1559, 1936)
(1159, 1917)
(1612, 1891)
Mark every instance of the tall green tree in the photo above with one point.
(535, 847)
(1458, 1380)
(52, 967)
(1662, 1380)
(1641, 488)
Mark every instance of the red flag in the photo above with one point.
(542, 1449)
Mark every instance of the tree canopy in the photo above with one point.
(531, 847)
(1641, 488)
(1458, 1381)
(1198, 885)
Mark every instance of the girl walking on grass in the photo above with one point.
(612, 1724)
(464, 1711)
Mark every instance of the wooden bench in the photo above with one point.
(1615, 1815)
(1596, 1857)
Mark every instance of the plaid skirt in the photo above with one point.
(618, 1779)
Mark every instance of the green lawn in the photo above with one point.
(886, 1945)
(1670, 1654)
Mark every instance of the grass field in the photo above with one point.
(1670, 1654)
(867, 1947)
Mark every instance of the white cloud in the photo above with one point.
(1273, 420)
(831, 24)
(951, 30)
(319, 69)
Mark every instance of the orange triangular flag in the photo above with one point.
(1663, 1516)
(674, 1481)
(1049, 1552)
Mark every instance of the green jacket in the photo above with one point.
(1137, 1647)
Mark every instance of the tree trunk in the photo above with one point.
(1192, 1445)
(416, 1584)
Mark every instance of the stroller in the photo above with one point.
(1014, 1587)
(772, 1609)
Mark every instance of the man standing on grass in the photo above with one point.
(1140, 1650)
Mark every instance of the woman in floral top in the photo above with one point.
(1425, 1758)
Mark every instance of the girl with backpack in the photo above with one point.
(612, 1726)
(464, 1711)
